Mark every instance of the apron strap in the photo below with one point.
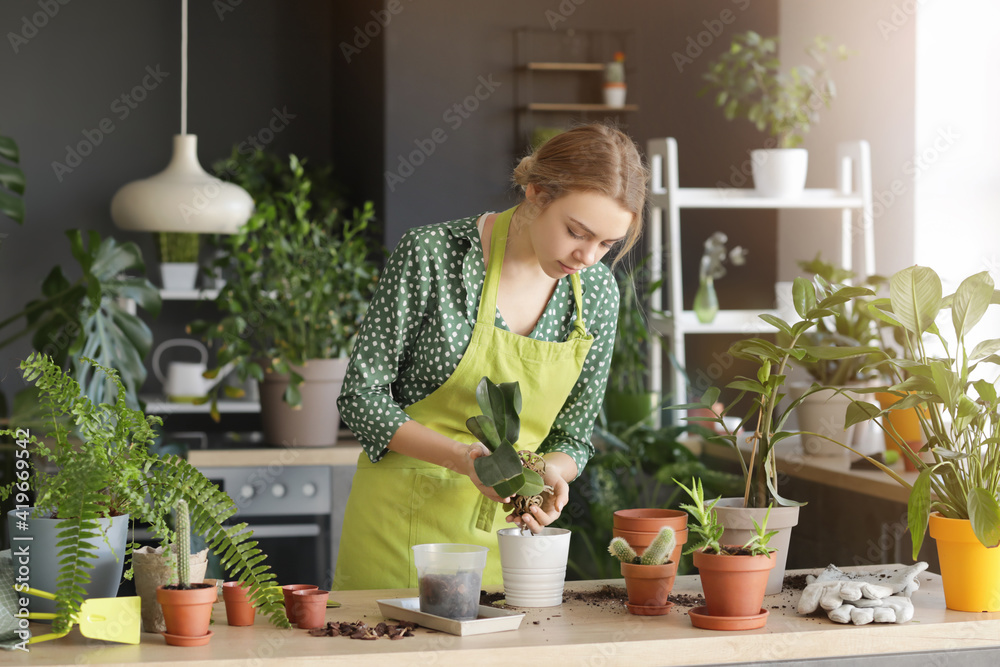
(488, 301)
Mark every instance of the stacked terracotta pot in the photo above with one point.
(649, 586)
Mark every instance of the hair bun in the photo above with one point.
(522, 172)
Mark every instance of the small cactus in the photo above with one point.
(183, 545)
(659, 551)
(621, 550)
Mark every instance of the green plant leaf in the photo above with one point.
(918, 508)
(972, 298)
(491, 401)
(777, 323)
(485, 431)
(984, 514)
(915, 294)
(532, 484)
(511, 392)
(860, 411)
(985, 349)
(502, 465)
(803, 296)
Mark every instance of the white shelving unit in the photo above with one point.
(852, 196)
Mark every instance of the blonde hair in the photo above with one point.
(589, 158)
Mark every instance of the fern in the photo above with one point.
(114, 473)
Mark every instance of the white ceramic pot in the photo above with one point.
(739, 528)
(179, 275)
(779, 172)
(824, 412)
(534, 566)
(614, 95)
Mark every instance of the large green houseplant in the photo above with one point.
(748, 82)
(86, 317)
(765, 421)
(945, 375)
(298, 281)
(95, 464)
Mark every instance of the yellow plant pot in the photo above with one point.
(969, 571)
(904, 422)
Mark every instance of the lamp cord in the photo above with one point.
(184, 65)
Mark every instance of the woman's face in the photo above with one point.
(576, 231)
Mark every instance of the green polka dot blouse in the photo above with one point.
(419, 324)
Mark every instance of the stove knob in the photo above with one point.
(278, 490)
(309, 489)
(246, 492)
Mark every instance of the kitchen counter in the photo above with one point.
(345, 452)
(573, 633)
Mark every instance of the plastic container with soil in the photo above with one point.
(449, 578)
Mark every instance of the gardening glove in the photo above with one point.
(892, 609)
(853, 598)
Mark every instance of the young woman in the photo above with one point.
(515, 296)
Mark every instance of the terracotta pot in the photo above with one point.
(970, 572)
(733, 585)
(310, 608)
(187, 613)
(649, 585)
(153, 569)
(239, 611)
(739, 528)
(639, 527)
(290, 601)
(315, 423)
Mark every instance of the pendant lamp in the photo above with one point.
(183, 197)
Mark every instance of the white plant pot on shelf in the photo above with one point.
(179, 275)
(779, 172)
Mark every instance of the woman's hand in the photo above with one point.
(539, 516)
(474, 451)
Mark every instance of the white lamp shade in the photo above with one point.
(182, 198)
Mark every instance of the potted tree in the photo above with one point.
(649, 578)
(178, 252)
(748, 82)
(187, 607)
(768, 414)
(958, 488)
(299, 279)
(93, 473)
(733, 577)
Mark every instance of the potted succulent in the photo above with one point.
(93, 473)
(849, 325)
(299, 279)
(649, 578)
(748, 82)
(178, 253)
(187, 607)
(710, 269)
(733, 577)
(958, 487)
(768, 414)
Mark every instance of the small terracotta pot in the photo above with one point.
(640, 526)
(649, 585)
(239, 611)
(187, 613)
(290, 602)
(733, 585)
(310, 608)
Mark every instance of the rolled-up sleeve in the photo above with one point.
(392, 323)
(572, 429)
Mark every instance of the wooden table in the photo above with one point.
(574, 633)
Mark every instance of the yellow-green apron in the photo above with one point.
(401, 501)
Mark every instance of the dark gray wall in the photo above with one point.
(359, 91)
(65, 80)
